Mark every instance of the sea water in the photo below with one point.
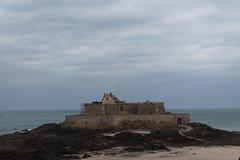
(13, 121)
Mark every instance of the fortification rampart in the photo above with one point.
(96, 122)
(111, 112)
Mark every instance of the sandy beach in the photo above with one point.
(186, 153)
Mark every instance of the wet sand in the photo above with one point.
(186, 153)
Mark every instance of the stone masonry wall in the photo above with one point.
(96, 122)
(89, 122)
(123, 108)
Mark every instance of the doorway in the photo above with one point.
(179, 121)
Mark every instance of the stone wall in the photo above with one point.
(151, 108)
(92, 109)
(164, 119)
(89, 122)
(96, 122)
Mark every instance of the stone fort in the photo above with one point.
(110, 112)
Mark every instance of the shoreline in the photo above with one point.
(184, 153)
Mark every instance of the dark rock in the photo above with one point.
(53, 141)
(134, 149)
(85, 155)
(71, 157)
(216, 136)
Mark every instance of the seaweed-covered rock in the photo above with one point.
(217, 136)
(55, 141)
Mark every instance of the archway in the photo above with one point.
(179, 121)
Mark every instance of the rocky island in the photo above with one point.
(110, 128)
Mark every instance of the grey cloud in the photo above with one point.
(94, 46)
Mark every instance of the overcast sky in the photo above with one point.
(57, 54)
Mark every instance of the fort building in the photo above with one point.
(110, 112)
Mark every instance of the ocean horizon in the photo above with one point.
(15, 121)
